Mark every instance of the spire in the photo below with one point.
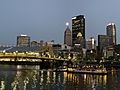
(67, 24)
(67, 35)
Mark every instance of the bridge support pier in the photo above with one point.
(45, 64)
(53, 64)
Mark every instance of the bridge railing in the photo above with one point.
(34, 56)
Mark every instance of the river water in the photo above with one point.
(25, 77)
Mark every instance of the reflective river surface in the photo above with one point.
(24, 77)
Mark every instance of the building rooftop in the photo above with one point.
(110, 24)
(23, 35)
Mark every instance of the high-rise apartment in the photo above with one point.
(67, 36)
(23, 41)
(78, 30)
(111, 32)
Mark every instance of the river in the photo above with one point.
(25, 77)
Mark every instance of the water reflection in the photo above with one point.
(32, 78)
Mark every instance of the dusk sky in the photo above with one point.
(45, 19)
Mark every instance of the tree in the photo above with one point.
(48, 49)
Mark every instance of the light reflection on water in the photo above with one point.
(32, 78)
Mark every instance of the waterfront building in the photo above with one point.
(108, 51)
(117, 49)
(78, 31)
(67, 36)
(23, 41)
(66, 47)
(111, 32)
(91, 44)
(103, 41)
(57, 47)
(91, 55)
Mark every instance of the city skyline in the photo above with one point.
(45, 20)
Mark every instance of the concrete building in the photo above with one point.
(78, 30)
(91, 44)
(68, 36)
(103, 41)
(23, 41)
(117, 49)
(35, 44)
(111, 32)
(108, 51)
(42, 43)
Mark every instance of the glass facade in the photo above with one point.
(111, 32)
(23, 41)
(103, 41)
(78, 30)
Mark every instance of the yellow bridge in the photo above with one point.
(29, 57)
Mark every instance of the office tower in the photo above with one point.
(103, 42)
(23, 41)
(111, 32)
(91, 44)
(67, 36)
(78, 31)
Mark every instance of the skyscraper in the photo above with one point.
(67, 36)
(78, 30)
(23, 41)
(91, 44)
(111, 32)
(103, 42)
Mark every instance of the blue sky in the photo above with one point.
(45, 19)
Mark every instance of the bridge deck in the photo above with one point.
(27, 58)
